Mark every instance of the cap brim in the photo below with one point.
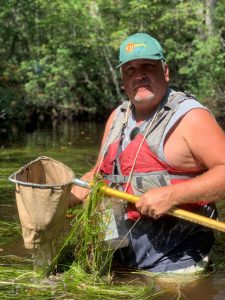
(146, 57)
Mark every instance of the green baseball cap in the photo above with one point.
(139, 46)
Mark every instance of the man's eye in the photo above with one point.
(130, 71)
(150, 66)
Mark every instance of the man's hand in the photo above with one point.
(156, 202)
(79, 194)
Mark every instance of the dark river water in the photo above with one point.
(76, 145)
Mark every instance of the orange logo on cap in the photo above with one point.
(130, 46)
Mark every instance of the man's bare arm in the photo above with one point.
(206, 141)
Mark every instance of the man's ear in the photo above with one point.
(166, 72)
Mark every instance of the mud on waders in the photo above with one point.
(43, 189)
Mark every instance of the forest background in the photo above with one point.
(58, 58)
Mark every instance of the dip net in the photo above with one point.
(43, 189)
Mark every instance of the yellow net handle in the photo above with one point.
(176, 212)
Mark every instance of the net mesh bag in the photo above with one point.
(43, 190)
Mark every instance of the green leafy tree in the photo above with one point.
(61, 55)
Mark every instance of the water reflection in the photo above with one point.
(75, 144)
(54, 134)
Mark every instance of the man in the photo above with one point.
(167, 148)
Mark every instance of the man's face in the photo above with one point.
(145, 81)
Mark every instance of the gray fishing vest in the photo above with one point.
(169, 106)
(173, 107)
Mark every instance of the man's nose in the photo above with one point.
(141, 75)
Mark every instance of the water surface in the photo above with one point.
(77, 145)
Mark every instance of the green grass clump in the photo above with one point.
(86, 236)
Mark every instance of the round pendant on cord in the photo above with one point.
(134, 132)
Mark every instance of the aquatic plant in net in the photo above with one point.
(87, 235)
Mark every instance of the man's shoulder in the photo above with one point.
(184, 99)
(180, 96)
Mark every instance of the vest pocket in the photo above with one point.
(141, 183)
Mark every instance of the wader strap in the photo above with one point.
(116, 178)
(123, 179)
(122, 114)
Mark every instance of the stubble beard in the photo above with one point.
(145, 102)
(144, 97)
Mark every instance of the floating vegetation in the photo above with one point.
(80, 270)
(73, 284)
(9, 231)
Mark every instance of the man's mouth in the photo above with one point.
(142, 87)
